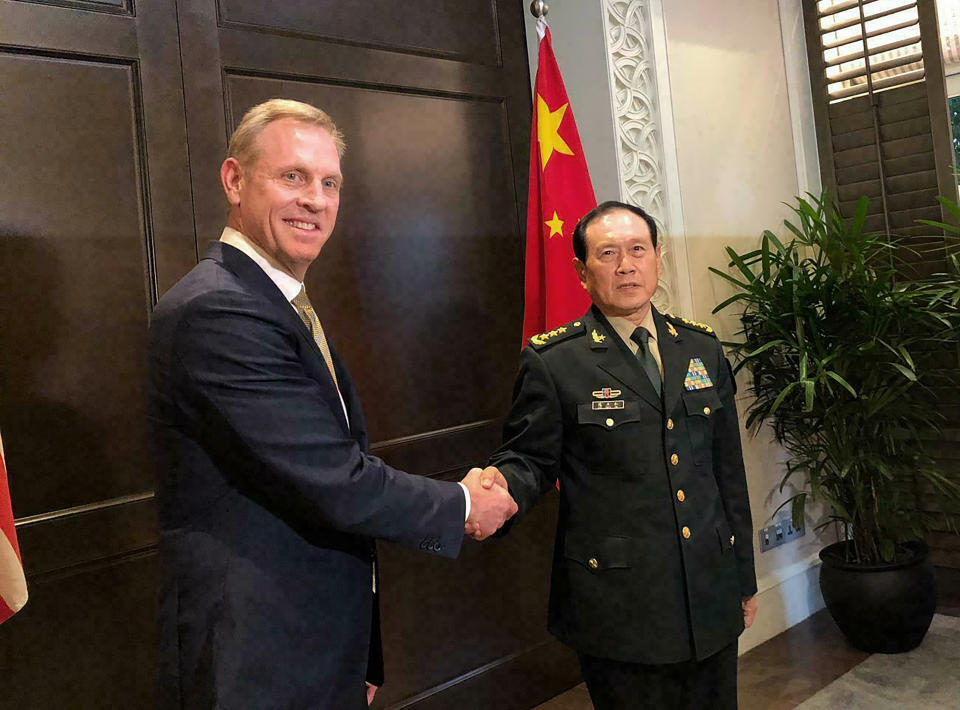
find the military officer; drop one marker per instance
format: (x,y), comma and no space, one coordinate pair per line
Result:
(633,411)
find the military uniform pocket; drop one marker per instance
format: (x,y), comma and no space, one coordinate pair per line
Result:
(609,437)
(599,554)
(701,407)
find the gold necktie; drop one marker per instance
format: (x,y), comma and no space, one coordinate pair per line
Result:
(309,318)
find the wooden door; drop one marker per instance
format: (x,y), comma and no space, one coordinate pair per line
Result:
(114,119)
(94,222)
(420,287)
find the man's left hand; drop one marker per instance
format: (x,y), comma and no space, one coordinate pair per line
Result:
(371,691)
(749,605)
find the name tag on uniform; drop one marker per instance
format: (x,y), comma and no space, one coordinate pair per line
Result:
(608,404)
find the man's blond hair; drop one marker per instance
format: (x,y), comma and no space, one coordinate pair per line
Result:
(243,142)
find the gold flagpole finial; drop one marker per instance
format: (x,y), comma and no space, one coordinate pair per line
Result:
(538,8)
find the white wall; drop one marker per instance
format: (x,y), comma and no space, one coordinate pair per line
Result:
(581,52)
(741,155)
(745,145)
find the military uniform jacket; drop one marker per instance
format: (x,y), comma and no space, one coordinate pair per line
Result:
(654,547)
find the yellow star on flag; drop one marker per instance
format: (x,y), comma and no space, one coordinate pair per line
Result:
(555,224)
(548,125)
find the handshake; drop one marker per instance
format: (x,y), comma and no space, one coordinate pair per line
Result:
(490,503)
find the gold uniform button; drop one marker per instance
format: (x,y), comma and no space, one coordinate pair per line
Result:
(681,496)
(674,459)
(592,562)
(706,410)
(732,539)
(609,422)
(670,424)
(685,532)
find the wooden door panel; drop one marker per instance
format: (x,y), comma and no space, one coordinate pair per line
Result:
(85,640)
(76,301)
(425,261)
(420,287)
(95,220)
(446,28)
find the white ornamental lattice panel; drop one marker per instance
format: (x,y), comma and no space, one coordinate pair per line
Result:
(637,121)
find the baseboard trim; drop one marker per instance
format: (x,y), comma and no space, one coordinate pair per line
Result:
(779,576)
(785,598)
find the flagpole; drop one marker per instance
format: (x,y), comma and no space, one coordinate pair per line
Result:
(559,194)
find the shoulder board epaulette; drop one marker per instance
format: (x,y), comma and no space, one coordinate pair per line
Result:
(691,324)
(557,335)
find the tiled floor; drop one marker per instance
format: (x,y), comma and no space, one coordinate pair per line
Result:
(789,668)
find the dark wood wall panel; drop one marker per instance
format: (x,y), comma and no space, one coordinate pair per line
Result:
(493,595)
(446,450)
(95,220)
(60,29)
(112,6)
(66,542)
(419,288)
(73,411)
(465,31)
(425,254)
(85,641)
(116,116)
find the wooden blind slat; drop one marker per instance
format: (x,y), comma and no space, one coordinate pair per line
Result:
(880,49)
(879,84)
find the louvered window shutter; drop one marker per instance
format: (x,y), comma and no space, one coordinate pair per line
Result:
(883,131)
(881,113)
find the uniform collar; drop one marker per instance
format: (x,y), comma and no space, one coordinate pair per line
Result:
(615,358)
(625,327)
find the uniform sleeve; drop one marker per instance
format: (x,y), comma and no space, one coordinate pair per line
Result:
(731,477)
(249,400)
(529,457)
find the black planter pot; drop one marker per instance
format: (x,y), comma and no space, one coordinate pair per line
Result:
(883,608)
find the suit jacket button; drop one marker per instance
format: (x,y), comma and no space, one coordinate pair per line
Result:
(592,563)
(670,424)
(685,532)
(681,496)
(674,459)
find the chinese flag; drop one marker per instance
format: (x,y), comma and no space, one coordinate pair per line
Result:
(13,585)
(560,194)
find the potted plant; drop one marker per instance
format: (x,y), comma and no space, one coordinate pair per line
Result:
(844,352)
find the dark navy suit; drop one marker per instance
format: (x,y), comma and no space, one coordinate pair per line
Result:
(269,502)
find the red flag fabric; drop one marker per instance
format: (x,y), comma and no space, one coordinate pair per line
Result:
(560,194)
(13,585)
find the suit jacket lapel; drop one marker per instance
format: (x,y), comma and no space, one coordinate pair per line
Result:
(253,276)
(674,359)
(617,360)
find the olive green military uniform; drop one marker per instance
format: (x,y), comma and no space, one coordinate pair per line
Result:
(654,548)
